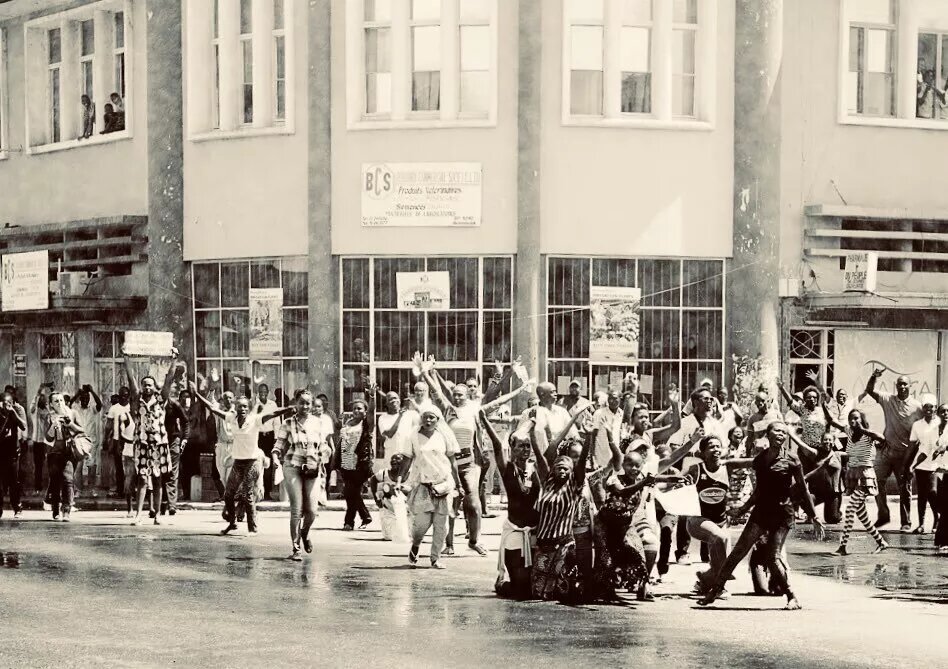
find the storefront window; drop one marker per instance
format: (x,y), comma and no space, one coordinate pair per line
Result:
(680,323)
(251,324)
(58,360)
(379,336)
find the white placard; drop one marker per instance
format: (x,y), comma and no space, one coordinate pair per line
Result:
(149,344)
(861,271)
(421,194)
(680,502)
(25,281)
(423,290)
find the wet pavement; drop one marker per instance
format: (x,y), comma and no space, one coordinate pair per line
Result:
(98,592)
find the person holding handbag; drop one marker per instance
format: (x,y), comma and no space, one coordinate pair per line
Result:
(296,459)
(354,459)
(434,480)
(60,430)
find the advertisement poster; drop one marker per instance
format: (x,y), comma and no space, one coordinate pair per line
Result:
(614,324)
(912,353)
(423,290)
(149,344)
(24,281)
(266,322)
(421,195)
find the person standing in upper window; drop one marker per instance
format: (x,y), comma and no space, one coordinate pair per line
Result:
(901,413)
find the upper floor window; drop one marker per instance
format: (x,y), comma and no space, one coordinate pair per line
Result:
(638,61)
(240,74)
(895,67)
(76,75)
(3,93)
(422,61)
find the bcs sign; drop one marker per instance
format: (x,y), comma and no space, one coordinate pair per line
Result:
(421,194)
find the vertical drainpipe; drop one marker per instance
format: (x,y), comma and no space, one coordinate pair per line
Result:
(169,290)
(752,286)
(324,359)
(529,322)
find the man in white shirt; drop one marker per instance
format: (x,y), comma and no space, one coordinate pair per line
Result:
(575,403)
(88,414)
(607,424)
(923,444)
(264,405)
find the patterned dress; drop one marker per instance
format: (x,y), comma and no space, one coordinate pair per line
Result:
(620,555)
(151,444)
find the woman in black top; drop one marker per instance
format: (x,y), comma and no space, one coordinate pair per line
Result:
(779,477)
(523,487)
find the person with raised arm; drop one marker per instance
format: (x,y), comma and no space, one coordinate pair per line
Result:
(152,455)
(901,412)
(354,457)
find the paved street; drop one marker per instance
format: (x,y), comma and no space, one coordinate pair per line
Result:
(98,592)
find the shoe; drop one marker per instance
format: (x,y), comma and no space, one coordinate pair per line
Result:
(725,595)
(842,550)
(413,556)
(156,521)
(137,521)
(881,547)
(254,533)
(437,565)
(942,550)
(66,517)
(347,528)
(130,514)
(489,515)
(230,528)
(365,524)
(152,514)
(297,556)
(919,530)
(477,548)
(307,544)
(47,506)
(94,494)
(172,512)
(18,515)
(881,521)
(448,550)
(905,528)
(682,558)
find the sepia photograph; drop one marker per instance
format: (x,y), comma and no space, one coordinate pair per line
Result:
(473,333)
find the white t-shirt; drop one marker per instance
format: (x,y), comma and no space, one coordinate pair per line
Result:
(430,458)
(690,425)
(89,420)
(605,422)
(244,444)
(268,407)
(397,443)
(926,434)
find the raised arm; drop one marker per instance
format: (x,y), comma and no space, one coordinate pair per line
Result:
(809,450)
(628,491)
(436,393)
(207,403)
(871,385)
(678,453)
(503,399)
(96,399)
(133,389)
(819,465)
(787,397)
(543,467)
(558,439)
(579,471)
(496,385)
(830,420)
(499,456)
(661,434)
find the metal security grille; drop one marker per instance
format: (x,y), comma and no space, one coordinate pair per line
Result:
(681,327)
(378,340)
(58,360)
(221,298)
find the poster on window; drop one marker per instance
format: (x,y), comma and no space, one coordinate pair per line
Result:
(266,323)
(421,195)
(614,324)
(24,281)
(423,290)
(912,353)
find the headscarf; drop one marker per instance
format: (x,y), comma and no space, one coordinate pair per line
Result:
(564,460)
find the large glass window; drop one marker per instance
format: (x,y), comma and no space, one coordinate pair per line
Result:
(870,82)
(930,98)
(58,360)
(228,328)
(379,339)
(246,60)
(680,321)
(54,92)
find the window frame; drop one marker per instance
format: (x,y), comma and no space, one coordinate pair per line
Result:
(401,114)
(245,40)
(941,46)
(102,60)
(278,33)
(86,86)
(119,52)
(661,30)
(4,107)
(650,27)
(54,106)
(681,308)
(893,31)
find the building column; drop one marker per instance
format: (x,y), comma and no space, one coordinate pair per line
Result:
(753,278)
(529,321)
(169,290)
(324,318)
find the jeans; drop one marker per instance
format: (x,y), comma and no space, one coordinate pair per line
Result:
(61,472)
(302,495)
(10,473)
(241,489)
(717,539)
(266,441)
(171,478)
(892,461)
(927,484)
(352,482)
(39,457)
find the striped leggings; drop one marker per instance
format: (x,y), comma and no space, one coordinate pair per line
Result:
(857,508)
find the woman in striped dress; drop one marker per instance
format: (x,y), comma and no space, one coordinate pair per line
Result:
(860,476)
(555,573)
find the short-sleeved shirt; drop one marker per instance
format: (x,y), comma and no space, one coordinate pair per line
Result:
(690,424)
(926,434)
(605,422)
(395,443)
(298,441)
(860,450)
(89,417)
(245,437)
(812,424)
(266,409)
(430,463)
(900,416)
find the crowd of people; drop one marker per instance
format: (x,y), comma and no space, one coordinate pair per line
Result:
(588,483)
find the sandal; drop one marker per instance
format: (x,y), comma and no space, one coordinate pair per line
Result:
(919,530)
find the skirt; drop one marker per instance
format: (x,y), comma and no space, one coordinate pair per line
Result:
(420,500)
(555,573)
(153,459)
(861,477)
